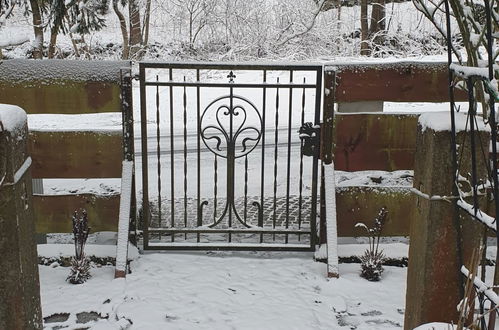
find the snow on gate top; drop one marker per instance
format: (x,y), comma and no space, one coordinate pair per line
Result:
(48,71)
(12,117)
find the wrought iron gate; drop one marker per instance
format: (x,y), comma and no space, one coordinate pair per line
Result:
(223,165)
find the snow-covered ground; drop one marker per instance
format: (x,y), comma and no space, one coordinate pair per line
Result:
(226,291)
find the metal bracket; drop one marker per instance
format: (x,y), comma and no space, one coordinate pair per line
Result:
(311,137)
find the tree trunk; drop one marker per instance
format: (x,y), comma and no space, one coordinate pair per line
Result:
(53,41)
(135,32)
(124,32)
(377,17)
(145,28)
(378,23)
(38,29)
(364,28)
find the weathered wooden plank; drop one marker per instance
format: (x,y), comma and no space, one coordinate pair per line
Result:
(393,82)
(362,204)
(375,141)
(53,213)
(62,86)
(76,154)
(66,98)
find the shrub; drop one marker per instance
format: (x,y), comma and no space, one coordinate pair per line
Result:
(372,260)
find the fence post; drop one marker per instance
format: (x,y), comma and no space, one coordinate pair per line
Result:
(19,282)
(441,240)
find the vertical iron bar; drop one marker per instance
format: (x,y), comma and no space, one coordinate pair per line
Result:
(262,178)
(215,191)
(245,188)
(300,195)
(172,157)
(145,176)
(230,158)
(288,170)
(313,211)
(276,155)
(158,153)
(185,157)
(198,106)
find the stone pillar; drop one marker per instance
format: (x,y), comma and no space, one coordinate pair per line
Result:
(434,281)
(19,281)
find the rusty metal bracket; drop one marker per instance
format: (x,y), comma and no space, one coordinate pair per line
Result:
(311,137)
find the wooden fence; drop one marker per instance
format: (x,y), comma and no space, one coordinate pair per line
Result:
(367,141)
(69,87)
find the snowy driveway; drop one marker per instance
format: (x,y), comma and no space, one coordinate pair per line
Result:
(227,291)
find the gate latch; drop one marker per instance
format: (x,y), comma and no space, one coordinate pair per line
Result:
(310,134)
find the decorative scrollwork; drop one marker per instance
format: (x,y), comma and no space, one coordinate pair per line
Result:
(235,127)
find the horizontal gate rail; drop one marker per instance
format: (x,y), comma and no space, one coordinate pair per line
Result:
(227,167)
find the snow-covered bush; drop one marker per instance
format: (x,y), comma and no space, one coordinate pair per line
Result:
(372,260)
(80,265)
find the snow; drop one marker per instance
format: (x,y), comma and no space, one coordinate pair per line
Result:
(468,71)
(229,291)
(93,122)
(99,187)
(400,178)
(95,250)
(12,39)
(12,117)
(22,170)
(124,216)
(435,326)
(440,121)
(482,287)
(53,71)
(486,219)
(331,226)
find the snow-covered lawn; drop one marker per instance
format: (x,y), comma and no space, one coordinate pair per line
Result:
(227,290)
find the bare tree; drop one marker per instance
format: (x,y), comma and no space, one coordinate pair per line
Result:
(471,25)
(306,25)
(199,14)
(373,33)
(135,40)
(36,14)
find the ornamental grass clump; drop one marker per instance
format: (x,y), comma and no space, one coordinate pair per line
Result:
(80,265)
(372,260)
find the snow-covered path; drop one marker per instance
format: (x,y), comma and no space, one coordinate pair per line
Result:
(228,291)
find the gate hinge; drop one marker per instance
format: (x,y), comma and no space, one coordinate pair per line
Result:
(310,134)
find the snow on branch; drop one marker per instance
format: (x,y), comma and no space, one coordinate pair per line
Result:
(13,40)
(484,218)
(481,287)
(468,71)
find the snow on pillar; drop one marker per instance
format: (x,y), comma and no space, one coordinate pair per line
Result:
(434,282)
(331,227)
(19,282)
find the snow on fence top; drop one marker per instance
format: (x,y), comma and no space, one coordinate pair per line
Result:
(440,121)
(12,117)
(401,65)
(46,71)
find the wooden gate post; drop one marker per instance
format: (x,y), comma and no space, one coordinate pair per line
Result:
(19,282)
(441,240)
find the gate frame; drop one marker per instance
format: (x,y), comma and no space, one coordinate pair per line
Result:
(319,71)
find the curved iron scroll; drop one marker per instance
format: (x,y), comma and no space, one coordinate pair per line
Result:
(231,127)
(228,126)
